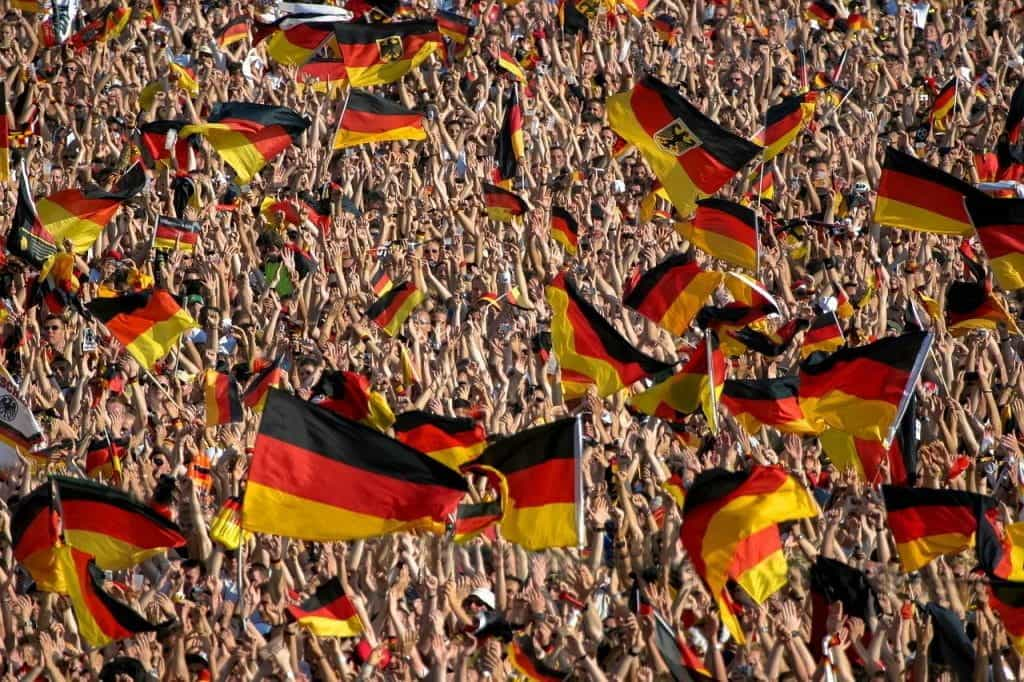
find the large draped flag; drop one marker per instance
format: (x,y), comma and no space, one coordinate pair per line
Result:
(1000,227)
(696,387)
(730,532)
(509,147)
(588,347)
(784,121)
(672,292)
(915,196)
(148,324)
(865,390)
(690,154)
(774,403)
(450,440)
(541,484)
(1007,599)
(80,215)
(248,136)
(388,486)
(927,523)
(377,54)
(370,118)
(328,612)
(300,31)
(726,230)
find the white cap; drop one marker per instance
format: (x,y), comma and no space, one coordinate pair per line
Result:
(484,595)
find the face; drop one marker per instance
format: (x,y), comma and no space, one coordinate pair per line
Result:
(54,332)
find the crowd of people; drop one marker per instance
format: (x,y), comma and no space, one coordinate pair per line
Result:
(261,287)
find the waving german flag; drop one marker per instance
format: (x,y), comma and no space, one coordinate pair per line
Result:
(389,487)
(235,31)
(155,143)
(377,54)
(453,441)
(695,387)
(101,618)
(390,311)
(973,305)
(784,121)
(454,27)
(80,216)
(823,336)
(5,136)
(174,234)
(1015,115)
(348,394)
(328,612)
(475,518)
(322,74)
(35,537)
(821,11)
(725,230)
(148,324)
(671,293)
(248,136)
(927,523)
(223,399)
(565,230)
(103,459)
(863,390)
(369,118)
(1007,599)
(522,656)
(915,196)
(588,346)
(772,344)
(943,106)
(294,45)
(28,239)
(773,403)
(267,376)
(509,147)
(750,292)
(1000,227)
(866,455)
(541,485)
(503,205)
(691,154)
(730,531)
(381,283)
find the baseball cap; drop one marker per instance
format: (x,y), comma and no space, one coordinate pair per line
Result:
(484,595)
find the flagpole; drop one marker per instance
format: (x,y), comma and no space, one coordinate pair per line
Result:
(711,380)
(915,373)
(577,441)
(325,166)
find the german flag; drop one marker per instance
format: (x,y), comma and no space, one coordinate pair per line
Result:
(5,136)
(784,121)
(223,402)
(475,518)
(589,347)
(185,78)
(35,536)
(773,403)
(28,239)
(833,582)
(927,523)
(667,28)
(508,64)
(824,335)
(323,74)
(1015,115)
(328,613)
(865,455)
(689,153)
(348,394)
(821,11)
(453,441)
(58,284)
(675,488)
(267,377)
(80,216)
(671,293)
(972,305)
(173,234)
(865,390)
(943,106)
(697,386)
(1006,598)
(762,181)
(750,292)
(148,324)
(540,484)
(389,487)
(455,28)
(226,526)
(101,618)
(857,22)
(390,311)
(725,230)
(503,205)
(318,209)
(107,25)
(235,31)
(565,230)
(509,147)
(369,118)
(574,16)
(381,283)
(522,656)
(295,45)
(103,459)
(730,531)
(248,136)
(378,54)
(770,344)
(155,142)
(1000,227)
(915,196)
